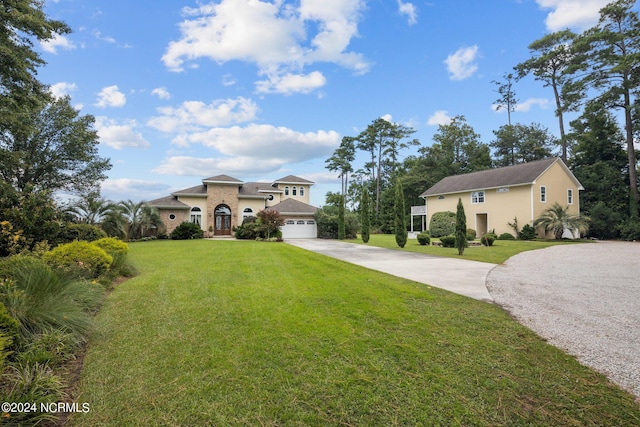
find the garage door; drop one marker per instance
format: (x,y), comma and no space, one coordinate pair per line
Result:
(299,229)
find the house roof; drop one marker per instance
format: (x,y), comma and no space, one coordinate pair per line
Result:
(168,202)
(294,207)
(222,179)
(292,179)
(522,174)
(198,190)
(257,190)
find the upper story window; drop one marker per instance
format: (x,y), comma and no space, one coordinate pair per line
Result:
(293,191)
(195,216)
(286,190)
(543,194)
(247,212)
(570,196)
(477,197)
(301,191)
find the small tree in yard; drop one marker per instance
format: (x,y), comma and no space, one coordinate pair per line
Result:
(557,218)
(365,212)
(400,218)
(461,228)
(270,221)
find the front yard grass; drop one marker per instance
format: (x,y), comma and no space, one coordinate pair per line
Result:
(496,254)
(255,333)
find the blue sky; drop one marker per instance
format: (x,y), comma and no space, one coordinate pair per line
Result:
(257,89)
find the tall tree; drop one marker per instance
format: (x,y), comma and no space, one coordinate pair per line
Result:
(613,48)
(383,141)
(461,228)
(515,144)
(507,99)
(554,62)
(341,161)
(342,233)
(365,215)
(21,23)
(52,149)
(400,223)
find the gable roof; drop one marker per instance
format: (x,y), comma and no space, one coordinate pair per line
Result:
(222,179)
(198,190)
(257,190)
(292,179)
(294,207)
(522,174)
(168,202)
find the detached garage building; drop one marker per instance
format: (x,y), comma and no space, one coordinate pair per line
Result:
(221,202)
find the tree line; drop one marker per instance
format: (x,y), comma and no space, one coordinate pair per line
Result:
(595,73)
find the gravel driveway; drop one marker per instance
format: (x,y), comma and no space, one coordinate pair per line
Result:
(583,298)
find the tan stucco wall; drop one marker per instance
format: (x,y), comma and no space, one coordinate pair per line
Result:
(255,204)
(304,199)
(557,183)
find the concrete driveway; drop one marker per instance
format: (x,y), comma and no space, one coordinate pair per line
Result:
(459,276)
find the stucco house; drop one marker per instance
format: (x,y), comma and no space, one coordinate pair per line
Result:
(221,202)
(493,198)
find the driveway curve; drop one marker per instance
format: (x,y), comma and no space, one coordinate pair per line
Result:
(582,298)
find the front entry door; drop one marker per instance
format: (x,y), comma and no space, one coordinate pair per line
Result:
(222,220)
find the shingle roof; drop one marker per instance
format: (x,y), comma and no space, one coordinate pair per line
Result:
(168,202)
(292,179)
(525,173)
(223,178)
(197,190)
(256,189)
(291,206)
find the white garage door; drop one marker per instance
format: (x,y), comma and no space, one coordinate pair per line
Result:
(299,229)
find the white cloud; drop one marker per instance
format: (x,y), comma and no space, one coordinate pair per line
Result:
(440,117)
(120,135)
(134,189)
(292,83)
(97,34)
(410,10)
(280,38)
(196,115)
(199,166)
(111,97)
(62,89)
(161,92)
(462,64)
(577,14)
(58,41)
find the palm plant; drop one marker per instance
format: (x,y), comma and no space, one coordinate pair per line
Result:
(556,219)
(91,209)
(138,217)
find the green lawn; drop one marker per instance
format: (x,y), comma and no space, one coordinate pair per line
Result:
(496,254)
(254,333)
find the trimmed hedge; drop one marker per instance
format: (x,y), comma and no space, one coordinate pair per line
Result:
(84,258)
(488,239)
(186,231)
(506,236)
(448,241)
(112,246)
(442,224)
(423,238)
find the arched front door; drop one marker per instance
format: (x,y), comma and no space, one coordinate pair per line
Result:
(222,220)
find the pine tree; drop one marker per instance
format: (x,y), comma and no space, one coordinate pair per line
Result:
(400,217)
(461,228)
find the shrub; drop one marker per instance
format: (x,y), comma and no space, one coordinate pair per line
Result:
(51,347)
(448,241)
(71,232)
(488,239)
(471,234)
(527,233)
(424,238)
(506,236)
(327,223)
(442,224)
(40,298)
(249,230)
(187,231)
(79,257)
(630,229)
(112,246)
(8,333)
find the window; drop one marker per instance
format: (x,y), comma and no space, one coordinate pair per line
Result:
(286,191)
(310,222)
(195,215)
(301,191)
(172,216)
(270,197)
(300,222)
(290,222)
(247,212)
(477,197)
(543,194)
(293,191)
(570,196)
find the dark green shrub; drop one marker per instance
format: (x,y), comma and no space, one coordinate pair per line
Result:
(187,231)
(442,224)
(527,233)
(630,229)
(8,333)
(83,258)
(448,241)
(327,223)
(70,232)
(471,234)
(112,246)
(488,239)
(248,231)
(423,238)
(506,236)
